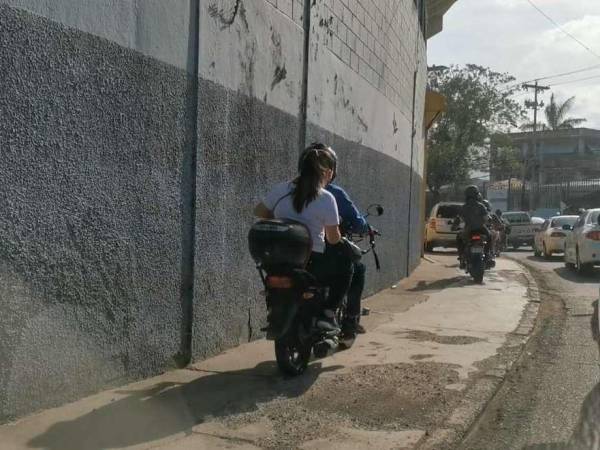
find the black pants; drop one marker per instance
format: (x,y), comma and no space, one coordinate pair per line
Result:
(355,291)
(334,270)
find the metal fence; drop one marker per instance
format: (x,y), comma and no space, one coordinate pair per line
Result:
(513,195)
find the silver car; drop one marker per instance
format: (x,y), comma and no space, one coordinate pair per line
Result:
(582,248)
(551,237)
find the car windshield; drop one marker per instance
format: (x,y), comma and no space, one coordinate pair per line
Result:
(517,218)
(448,211)
(594,217)
(561,221)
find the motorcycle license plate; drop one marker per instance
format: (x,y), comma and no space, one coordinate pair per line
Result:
(477,250)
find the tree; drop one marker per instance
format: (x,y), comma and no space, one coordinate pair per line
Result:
(505,160)
(479,105)
(556,116)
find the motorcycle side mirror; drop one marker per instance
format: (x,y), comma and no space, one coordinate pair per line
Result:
(567,227)
(375,210)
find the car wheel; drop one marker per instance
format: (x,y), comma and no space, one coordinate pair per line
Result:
(429,247)
(568,265)
(515,246)
(581,268)
(547,254)
(536,252)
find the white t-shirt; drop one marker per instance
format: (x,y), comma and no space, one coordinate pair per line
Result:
(318,214)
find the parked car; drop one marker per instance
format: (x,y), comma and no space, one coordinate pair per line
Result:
(582,248)
(438,230)
(545,213)
(551,237)
(522,230)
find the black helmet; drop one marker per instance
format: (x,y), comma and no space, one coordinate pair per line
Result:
(499,212)
(318,146)
(472,192)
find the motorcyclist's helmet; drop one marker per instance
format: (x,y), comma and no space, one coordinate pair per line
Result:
(318,146)
(499,212)
(487,205)
(472,192)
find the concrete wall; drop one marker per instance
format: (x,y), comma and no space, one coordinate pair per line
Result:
(137,135)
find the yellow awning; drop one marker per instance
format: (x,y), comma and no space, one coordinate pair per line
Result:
(435,105)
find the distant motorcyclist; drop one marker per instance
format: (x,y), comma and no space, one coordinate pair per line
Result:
(475,216)
(496,227)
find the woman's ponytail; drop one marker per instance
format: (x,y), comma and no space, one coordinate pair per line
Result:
(312,170)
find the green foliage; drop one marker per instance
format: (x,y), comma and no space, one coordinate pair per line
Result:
(505,160)
(556,116)
(479,105)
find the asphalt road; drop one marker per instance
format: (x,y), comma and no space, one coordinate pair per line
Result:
(540,401)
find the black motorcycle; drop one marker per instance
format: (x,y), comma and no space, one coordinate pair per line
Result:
(475,256)
(281,249)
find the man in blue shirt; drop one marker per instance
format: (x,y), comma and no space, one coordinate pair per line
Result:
(352,221)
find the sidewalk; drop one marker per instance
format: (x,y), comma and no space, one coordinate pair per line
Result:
(437,348)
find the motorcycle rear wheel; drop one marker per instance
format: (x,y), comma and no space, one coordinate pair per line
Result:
(292,356)
(477,269)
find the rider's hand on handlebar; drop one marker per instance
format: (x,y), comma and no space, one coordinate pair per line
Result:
(374,231)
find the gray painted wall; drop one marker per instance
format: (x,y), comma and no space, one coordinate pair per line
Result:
(102,116)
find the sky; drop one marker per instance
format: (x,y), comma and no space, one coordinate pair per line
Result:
(511,36)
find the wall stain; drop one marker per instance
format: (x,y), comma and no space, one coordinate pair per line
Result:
(395,124)
(247,65)
(278,76)
(227,18)
(362,122)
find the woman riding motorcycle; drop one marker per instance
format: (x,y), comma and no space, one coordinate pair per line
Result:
(305,200)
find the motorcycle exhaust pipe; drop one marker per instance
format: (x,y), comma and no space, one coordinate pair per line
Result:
(325,347)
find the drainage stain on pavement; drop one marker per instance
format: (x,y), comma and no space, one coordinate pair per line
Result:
(421,336)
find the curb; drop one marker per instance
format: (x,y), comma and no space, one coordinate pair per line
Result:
(465,418)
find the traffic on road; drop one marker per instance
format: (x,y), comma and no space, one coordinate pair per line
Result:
(552,399)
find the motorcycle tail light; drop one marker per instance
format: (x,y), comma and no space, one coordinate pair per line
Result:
(557,234)
(475,237)
(593,235)
(279,282)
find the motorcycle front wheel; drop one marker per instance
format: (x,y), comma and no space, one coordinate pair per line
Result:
(292,356)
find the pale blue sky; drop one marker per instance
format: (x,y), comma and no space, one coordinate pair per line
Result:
(511,36)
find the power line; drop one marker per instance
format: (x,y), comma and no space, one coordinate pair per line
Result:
(574,81)
(548,77)
(564,74)
(562,29)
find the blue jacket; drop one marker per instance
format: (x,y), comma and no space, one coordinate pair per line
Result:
(352,219)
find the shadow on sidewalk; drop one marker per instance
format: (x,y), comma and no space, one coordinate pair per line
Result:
(435,285)
(168,408)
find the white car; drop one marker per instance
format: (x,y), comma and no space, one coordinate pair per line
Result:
(551,238)
(582,247)
(438,231)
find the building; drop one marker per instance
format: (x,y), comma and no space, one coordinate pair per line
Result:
(136,138)
(567,155)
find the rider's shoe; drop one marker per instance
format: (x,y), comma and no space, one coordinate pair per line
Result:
(327,321)
(352,326)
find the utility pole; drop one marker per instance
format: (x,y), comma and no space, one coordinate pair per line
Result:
(535,154)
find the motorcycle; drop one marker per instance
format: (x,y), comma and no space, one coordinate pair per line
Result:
(475,256)
(281,249)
